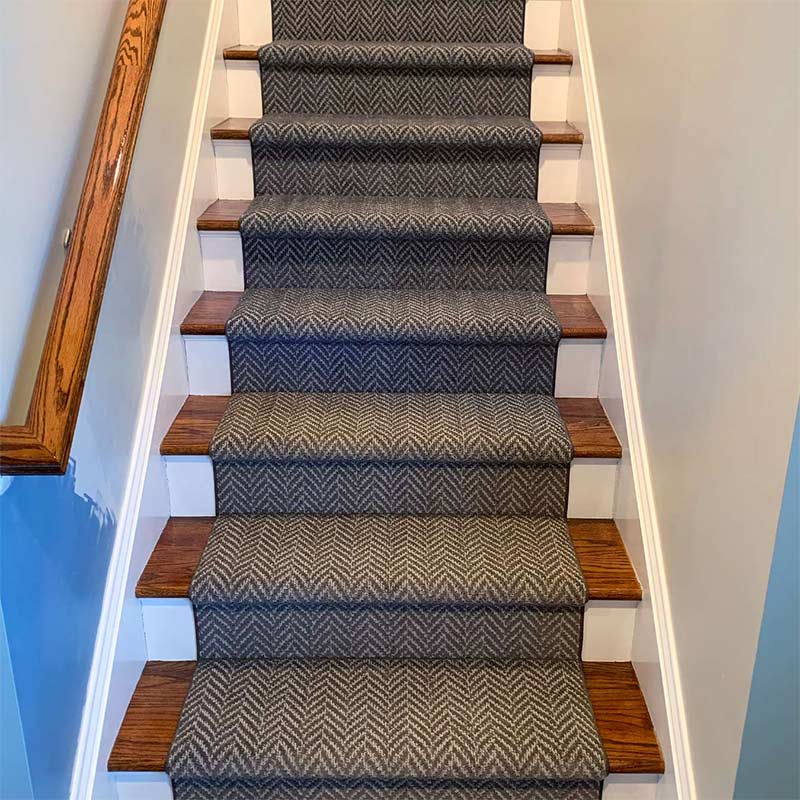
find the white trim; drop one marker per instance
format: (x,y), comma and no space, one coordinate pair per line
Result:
(88,747)
(665,636)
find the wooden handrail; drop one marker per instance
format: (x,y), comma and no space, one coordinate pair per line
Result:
(42,445)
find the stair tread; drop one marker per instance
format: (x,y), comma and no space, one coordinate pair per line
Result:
(292,126)
(360,719)
(575,313)
(192,430)
(391,428)
(414,218)
(568,219)
(422,316)
(508,57)
(620,711)
(409,562)
(607,570)
(249,52)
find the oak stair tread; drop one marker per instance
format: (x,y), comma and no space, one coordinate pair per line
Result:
(249,52)
(587,424)
(568,219)
(575,313)
(621,715)
(607,570)
(238,129)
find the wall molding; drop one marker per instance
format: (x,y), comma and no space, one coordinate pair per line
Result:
(665,636)
(91,731)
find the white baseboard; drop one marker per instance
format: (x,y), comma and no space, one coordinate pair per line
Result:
(92,722)
(680,782)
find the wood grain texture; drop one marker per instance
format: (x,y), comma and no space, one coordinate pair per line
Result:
(249,52)
(577,315)
(192,430)
(238,129)
(622,718)
(620,711)
(604,561)
(568,219)
(588,426)
(42,445)
(150,723)
(175,558)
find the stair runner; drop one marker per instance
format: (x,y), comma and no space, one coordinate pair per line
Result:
(389,605)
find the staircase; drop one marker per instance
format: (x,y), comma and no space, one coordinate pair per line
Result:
(391,569)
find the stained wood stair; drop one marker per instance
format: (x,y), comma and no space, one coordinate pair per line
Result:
(621,714)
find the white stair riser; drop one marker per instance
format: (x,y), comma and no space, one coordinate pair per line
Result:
(577,372)
(542,22)
(558,172)
(548,95)
(567,270)
(170,630)
(157,786)
(191,487)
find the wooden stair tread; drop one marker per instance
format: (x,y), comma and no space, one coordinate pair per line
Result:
(575,312)
(568,219)
(601,553)
(238,129)
(249,52)
(192,430)
(146,734)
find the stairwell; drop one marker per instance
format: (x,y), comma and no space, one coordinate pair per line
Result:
(392,568)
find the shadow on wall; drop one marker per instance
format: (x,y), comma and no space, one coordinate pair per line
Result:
(53,541)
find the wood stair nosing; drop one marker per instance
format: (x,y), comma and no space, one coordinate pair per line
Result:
(568,219)
(575,312)
(587,424)
(249,52)
(606,567)
(237,129)
(620,711)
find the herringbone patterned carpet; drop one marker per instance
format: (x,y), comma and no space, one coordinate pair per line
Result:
(389,605)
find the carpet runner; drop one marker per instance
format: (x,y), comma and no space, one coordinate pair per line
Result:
(389,605)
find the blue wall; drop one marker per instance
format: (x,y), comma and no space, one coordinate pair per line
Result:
(769,766)
(54,551)
(15,779)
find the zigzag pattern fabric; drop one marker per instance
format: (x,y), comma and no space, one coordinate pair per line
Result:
(409,78)
(389,605)
(391,21)
(395,156)
(359,340)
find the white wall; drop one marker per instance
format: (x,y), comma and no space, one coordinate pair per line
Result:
(699,101)
(55,60)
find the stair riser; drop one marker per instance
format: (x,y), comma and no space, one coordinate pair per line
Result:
(157,786)
(558,172)
(192,493)
(567,273)
(577,370)
(542,22)
(169,627)
(548,95)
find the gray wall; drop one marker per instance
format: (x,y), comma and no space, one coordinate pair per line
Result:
(700,103)
(55,59)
